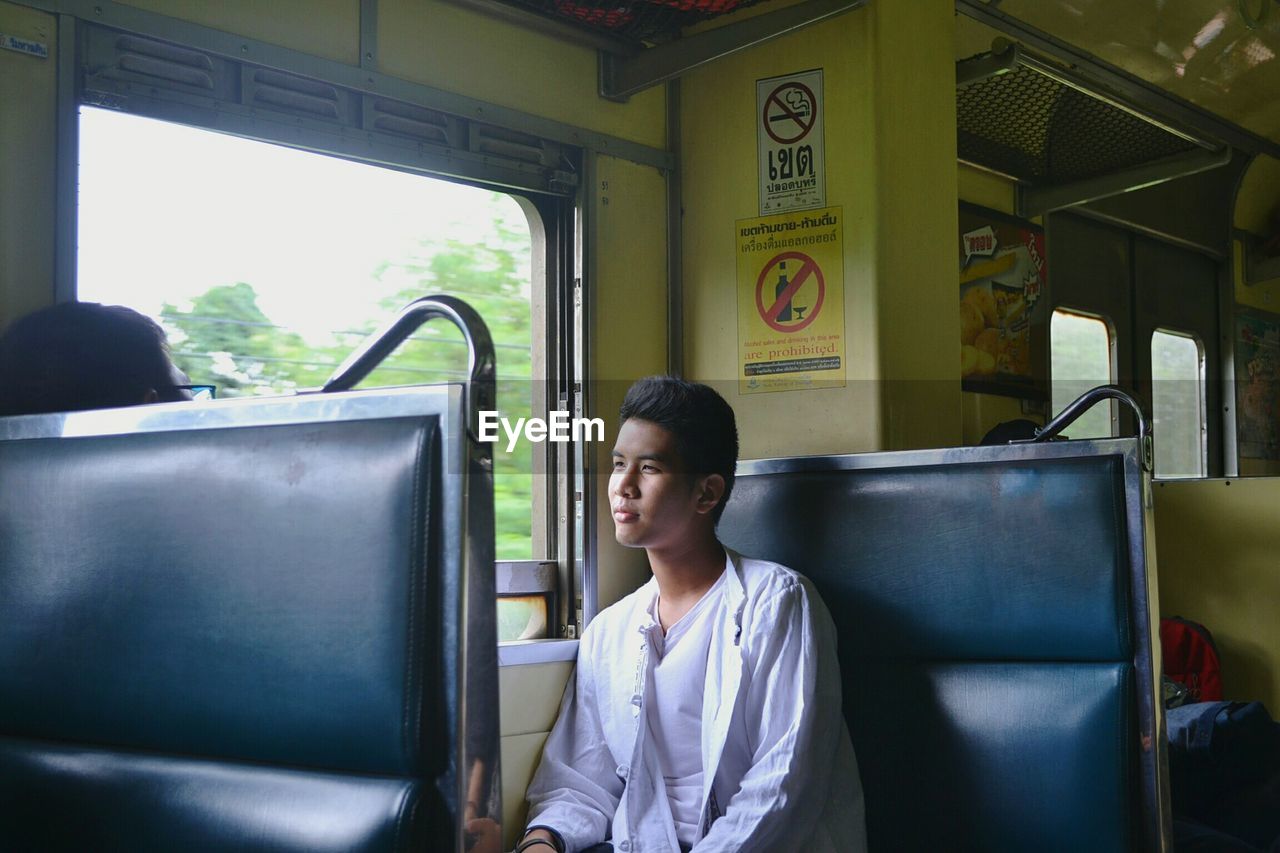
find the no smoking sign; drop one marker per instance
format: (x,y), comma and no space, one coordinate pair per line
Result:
(789,113)
(790,145)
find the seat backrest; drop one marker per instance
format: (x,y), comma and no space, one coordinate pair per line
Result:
(994,628)
(241,626)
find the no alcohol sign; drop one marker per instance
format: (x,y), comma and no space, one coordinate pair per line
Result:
(791,301)
(790,142)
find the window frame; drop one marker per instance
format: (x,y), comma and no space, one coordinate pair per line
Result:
(1112,358)
(1202,412)
(518,158)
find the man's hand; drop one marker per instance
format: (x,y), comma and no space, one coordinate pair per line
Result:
(483,836)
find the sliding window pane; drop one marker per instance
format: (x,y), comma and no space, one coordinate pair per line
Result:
(1177,404)
(1081,359)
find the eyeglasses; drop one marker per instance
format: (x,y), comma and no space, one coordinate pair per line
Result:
(198,392)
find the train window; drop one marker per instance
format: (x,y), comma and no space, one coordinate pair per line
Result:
(527,593)
(1177,404)
(267,265)
(523,617)
(1082,356)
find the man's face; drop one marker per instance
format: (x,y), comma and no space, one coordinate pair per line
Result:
(655,502)
(170,393)
(178,377)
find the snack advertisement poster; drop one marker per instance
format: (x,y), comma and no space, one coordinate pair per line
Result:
(1003,312)
(1258,385)
(791,301)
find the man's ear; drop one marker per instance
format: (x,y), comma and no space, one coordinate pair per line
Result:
(710,489)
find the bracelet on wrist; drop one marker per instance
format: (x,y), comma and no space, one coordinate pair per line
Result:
(556,841)
(531,842)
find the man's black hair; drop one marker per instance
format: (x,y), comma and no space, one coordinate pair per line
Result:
(82,355)
(1004,432)
(702,423)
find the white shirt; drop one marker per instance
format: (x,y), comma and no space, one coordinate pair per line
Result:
(779,772)
(675,714)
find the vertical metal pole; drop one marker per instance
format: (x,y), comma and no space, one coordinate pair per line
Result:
(1144,608)
(66,202)
(1137,381)
(1225,371)
(588,236)
(369,34)
(1226,368)
(675,217)
(561,341)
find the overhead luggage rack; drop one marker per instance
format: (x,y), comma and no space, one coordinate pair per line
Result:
(1065,140)
(634,21)
(642,43)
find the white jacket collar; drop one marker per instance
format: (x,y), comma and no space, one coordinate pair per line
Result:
(735,589)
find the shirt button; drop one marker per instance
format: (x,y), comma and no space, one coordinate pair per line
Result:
(624,846)
(623,770)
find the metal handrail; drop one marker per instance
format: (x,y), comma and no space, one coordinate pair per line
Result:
(481,362)
(1090,398)
(1087,400)
(475,775)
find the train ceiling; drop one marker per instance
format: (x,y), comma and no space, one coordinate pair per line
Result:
(1072,98)
(1220,55)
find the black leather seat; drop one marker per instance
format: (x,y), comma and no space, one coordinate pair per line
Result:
(241,627)
(995,637)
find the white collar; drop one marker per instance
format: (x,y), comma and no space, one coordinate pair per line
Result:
(735,591)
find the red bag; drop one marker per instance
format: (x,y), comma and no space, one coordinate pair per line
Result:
(1191,658)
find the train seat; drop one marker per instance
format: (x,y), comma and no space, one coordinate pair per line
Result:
(994,630)
(239,627)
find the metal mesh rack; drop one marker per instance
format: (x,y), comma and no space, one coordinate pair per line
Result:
(1041,131)
(636,21)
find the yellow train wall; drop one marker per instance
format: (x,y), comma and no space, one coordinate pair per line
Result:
(1216,547)
(890,144)
(28,164)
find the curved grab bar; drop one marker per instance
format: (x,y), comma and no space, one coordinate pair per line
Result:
(481,364)
(1087,400)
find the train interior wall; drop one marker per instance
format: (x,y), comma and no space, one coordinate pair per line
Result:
(1216,551)
(890,143)
(28,164)
(891,146)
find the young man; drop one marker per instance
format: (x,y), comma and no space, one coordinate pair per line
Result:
(704,713)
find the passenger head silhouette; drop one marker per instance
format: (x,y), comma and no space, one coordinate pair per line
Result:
(82,355)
